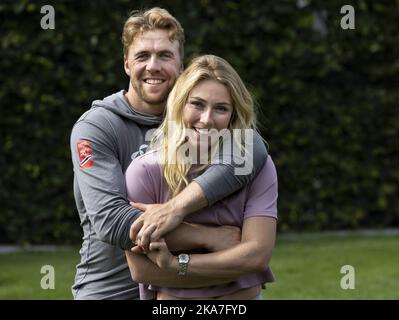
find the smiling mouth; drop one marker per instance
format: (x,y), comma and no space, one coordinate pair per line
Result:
(203,131)
(154,81)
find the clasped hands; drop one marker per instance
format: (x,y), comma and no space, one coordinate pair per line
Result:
(156,221)
(147,230)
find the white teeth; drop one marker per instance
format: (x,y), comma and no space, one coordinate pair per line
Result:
(202,131)
(153,81)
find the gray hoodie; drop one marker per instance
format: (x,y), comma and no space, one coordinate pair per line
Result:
(103,142)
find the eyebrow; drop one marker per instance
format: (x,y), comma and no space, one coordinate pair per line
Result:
(148,52)
(217,103)
(166,51)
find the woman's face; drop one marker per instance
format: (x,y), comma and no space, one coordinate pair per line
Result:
(208,106)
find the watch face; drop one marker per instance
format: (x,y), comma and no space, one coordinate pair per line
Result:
(184,258)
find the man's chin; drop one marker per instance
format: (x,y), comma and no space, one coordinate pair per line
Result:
(155,99)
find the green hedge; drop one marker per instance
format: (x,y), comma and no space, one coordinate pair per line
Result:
(328,103)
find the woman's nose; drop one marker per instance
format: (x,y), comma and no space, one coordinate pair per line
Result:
(207,117)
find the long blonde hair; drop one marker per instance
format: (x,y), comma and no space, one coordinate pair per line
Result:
(169,138)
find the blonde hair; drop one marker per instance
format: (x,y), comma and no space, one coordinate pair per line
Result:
(206,67)
(155,18)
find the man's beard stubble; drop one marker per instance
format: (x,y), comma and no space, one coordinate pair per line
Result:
(143,96)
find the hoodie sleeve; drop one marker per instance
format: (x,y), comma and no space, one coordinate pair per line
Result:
(222,179)
(100,179)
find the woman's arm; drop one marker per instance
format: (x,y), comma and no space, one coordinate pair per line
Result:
(217,182)
(143,177)
(143,270)
(251,255)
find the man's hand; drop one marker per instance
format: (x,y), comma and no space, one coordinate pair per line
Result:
(157,220)
(221,238)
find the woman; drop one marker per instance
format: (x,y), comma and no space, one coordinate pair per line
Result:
(209,97)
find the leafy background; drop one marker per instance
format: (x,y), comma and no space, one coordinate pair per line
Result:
(327,98)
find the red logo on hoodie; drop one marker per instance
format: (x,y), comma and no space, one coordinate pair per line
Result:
(85,154)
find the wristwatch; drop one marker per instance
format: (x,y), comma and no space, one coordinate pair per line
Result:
(183,258)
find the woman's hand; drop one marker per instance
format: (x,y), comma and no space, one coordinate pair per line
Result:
(160,255)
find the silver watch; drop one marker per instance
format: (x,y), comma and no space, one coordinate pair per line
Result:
(184,259)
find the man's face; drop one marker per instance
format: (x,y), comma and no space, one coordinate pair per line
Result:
(153,64)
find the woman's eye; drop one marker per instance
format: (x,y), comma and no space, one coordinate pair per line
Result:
(196,104)
(221,109)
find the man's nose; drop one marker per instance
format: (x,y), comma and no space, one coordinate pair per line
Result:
(153,64)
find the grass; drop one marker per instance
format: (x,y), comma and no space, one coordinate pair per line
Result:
(20,274)
(311,269)
(304,269)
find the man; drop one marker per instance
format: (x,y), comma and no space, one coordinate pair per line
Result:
(103,142)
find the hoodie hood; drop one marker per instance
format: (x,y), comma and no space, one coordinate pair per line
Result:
(117,104)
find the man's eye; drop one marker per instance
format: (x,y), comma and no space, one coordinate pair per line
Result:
(141,57)
(166,56)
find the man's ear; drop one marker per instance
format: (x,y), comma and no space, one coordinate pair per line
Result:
(126,65)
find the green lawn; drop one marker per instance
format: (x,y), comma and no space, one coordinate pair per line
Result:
(304,269)
(20,275)
(310,269)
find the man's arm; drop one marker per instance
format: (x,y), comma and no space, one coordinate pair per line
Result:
(257,241)
(235,171)
(160,219)
(142,183)
(101,182)
(217,182)
(189,236)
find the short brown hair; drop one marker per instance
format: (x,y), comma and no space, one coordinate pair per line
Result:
(152,19)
